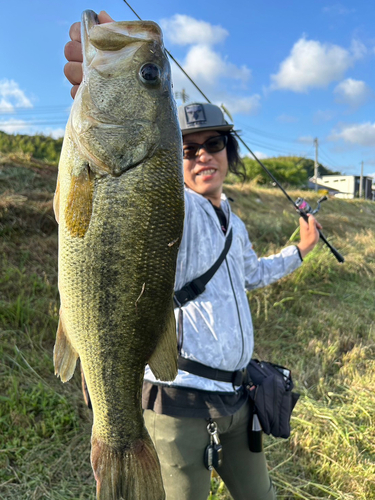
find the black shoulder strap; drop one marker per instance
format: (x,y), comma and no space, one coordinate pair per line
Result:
(191,290)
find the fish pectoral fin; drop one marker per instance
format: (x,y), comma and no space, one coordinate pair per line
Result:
(64,355)
(78,208)
(163,361)
(56,201)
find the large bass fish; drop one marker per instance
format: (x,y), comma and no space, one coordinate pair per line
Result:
(119,205)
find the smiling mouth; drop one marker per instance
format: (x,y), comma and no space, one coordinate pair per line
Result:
(208,171)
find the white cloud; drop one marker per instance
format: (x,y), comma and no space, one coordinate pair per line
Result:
(215,78)
(6,106)
(185,30)
(14,126)
(321,116)
(314,64)
(287,119)
(360,134)
(11,96)
(54,133)
(206,65)
(338,9)
(352,92)
(358,49)
(247,105)
(258,154)
(306,139)
(224,82)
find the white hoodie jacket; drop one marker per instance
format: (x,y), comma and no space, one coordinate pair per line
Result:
(217,329)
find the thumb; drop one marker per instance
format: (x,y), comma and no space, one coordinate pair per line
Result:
(104,17)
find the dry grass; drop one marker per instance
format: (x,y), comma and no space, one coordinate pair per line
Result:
(320,321)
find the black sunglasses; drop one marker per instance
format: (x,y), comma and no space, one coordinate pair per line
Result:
(212,145)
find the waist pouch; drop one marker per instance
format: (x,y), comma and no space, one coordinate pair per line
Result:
(272,396)
(269,387)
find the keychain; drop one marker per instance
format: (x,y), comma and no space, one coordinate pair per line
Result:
(213,454)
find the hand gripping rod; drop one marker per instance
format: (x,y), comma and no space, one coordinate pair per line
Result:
(338,256)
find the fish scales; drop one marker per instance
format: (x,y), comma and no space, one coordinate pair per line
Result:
(119,204)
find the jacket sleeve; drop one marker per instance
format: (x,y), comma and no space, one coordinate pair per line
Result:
(266,270)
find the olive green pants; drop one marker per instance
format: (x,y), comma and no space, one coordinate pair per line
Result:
(180,444)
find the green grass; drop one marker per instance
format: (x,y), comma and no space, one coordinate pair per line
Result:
(319,321)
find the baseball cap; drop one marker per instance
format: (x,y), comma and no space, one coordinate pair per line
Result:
(196,117)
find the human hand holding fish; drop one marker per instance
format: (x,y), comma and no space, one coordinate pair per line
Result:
(74,55)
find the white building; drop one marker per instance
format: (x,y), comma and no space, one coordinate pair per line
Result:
(347,186)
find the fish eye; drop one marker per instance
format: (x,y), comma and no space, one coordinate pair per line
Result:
(150,73)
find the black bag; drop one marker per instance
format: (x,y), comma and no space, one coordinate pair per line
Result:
(272,396)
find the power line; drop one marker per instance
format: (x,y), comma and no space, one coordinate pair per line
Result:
(272,147)
(32,123)
(324,153)
(34,109)
(268,135)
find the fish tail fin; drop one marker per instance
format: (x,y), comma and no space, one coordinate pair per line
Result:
(132,473)
(64,354)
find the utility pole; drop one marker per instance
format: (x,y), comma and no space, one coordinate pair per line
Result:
(361,181)
(316,164)
(182,95)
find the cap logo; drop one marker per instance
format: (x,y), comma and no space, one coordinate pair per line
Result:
(195,114)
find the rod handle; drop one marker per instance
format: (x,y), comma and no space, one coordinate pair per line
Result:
(337,254)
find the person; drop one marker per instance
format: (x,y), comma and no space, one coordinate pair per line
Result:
(215,329)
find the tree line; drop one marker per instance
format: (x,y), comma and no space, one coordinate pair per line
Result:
(289,170)
(39,146)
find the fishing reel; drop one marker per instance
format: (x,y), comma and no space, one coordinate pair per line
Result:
(302,205)
(304,208)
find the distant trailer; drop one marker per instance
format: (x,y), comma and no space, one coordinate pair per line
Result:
(347,186)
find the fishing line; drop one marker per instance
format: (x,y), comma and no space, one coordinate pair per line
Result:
(277,183)
(173,59)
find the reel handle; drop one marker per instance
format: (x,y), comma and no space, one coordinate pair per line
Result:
(338,256)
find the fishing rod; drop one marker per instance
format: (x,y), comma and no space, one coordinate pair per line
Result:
(301,206)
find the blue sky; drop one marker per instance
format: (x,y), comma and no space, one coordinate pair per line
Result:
(287,71)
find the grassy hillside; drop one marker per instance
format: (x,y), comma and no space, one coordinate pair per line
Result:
(320,322)
(39,146)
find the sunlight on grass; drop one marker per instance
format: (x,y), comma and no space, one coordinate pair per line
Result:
(319,321)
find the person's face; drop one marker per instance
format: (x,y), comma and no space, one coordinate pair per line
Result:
(205,173)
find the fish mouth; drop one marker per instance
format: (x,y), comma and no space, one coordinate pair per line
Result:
(117,35)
